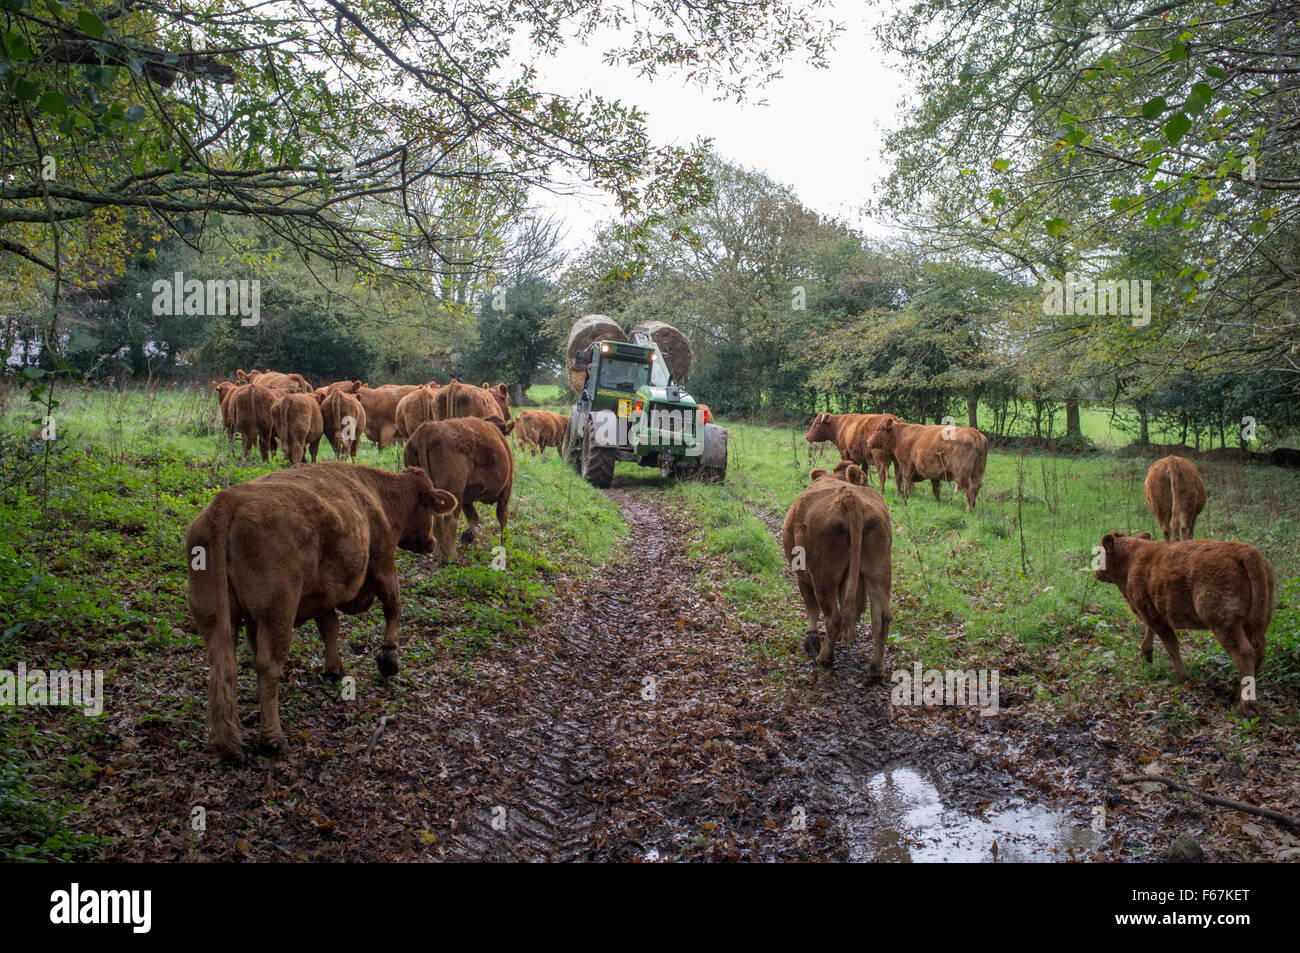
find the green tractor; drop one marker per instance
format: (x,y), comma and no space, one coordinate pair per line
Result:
(630,409)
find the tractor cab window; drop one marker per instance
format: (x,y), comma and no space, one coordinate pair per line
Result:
(618,374)
(658,374)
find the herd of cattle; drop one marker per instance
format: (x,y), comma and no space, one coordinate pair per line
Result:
(306,542)
(312,540)
(837,539)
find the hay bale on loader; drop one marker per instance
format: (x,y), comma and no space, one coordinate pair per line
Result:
(592,327)
(672,345)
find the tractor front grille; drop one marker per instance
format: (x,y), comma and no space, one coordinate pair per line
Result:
(670,420)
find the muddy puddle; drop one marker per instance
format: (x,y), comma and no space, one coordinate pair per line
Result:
(902,818)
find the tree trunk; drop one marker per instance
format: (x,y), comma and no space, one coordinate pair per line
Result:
(1144,429)
(972,409)
(1072,427)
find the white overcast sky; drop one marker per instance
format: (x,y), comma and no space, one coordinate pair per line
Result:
(820,130)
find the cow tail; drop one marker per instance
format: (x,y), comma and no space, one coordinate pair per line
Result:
(223,716)
(335,403)
(1173,500)
(856,526)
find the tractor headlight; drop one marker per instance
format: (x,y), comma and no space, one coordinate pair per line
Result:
(604,349)
(653,355)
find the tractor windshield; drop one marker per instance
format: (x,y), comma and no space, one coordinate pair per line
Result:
(627,376)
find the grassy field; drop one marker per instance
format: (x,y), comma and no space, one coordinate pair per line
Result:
(1006,586)
(91,577)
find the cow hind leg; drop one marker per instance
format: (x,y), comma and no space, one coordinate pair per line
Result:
(1169,638)
(937,486)
(880,618)
(833,612)
(812,639)
(472,522)
(328,626)
(1243,655)
(272,641)
(315,445)
(1144,649)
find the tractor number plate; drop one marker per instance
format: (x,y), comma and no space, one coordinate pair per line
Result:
(625,408)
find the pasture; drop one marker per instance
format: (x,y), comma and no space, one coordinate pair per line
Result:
(91,576)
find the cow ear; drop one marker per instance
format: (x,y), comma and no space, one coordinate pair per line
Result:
(503,390)
(1108,542)
(1143,535)
(855,475)
(816,475)
(444,501)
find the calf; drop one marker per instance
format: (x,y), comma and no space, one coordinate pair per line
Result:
(837,539)
(288,383)
(501,397)
(344,421)
(466,400)
(1175,494)
(1197,584)
(468,457)
(251,411)
(415,408)
(539,429)
(934,453)
(224,389)
(380,404)
(291,546)
(849,433)
(298,426)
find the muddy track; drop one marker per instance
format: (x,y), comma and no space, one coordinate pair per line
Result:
(644,732)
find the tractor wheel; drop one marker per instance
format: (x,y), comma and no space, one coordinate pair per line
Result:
(573,446)
(597,463)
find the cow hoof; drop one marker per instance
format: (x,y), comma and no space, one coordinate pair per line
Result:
(386,660)
(875,675)
(828,662)
(467,537)
(812,643)
(275,746)
(230,756)
(332,676)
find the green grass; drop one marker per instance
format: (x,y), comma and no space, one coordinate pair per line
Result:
(967,594)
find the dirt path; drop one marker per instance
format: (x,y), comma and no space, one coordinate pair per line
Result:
(641,732)
(636,724)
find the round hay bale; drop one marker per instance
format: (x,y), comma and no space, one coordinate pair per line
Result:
(589,328)
(672,344)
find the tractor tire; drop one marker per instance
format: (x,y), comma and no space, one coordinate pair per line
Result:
(597,463)
(572,452)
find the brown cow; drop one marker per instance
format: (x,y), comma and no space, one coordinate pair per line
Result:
(1227,588)
(415,408)
(466,400)
(934,453)
(289,383)
(291,546)
(1175,494)
(298,426)
(344,421)
(849,433)
(468,457)
(224,389)
(539,429)
(381,410)
(500,394)
(838,539)
(251,409)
